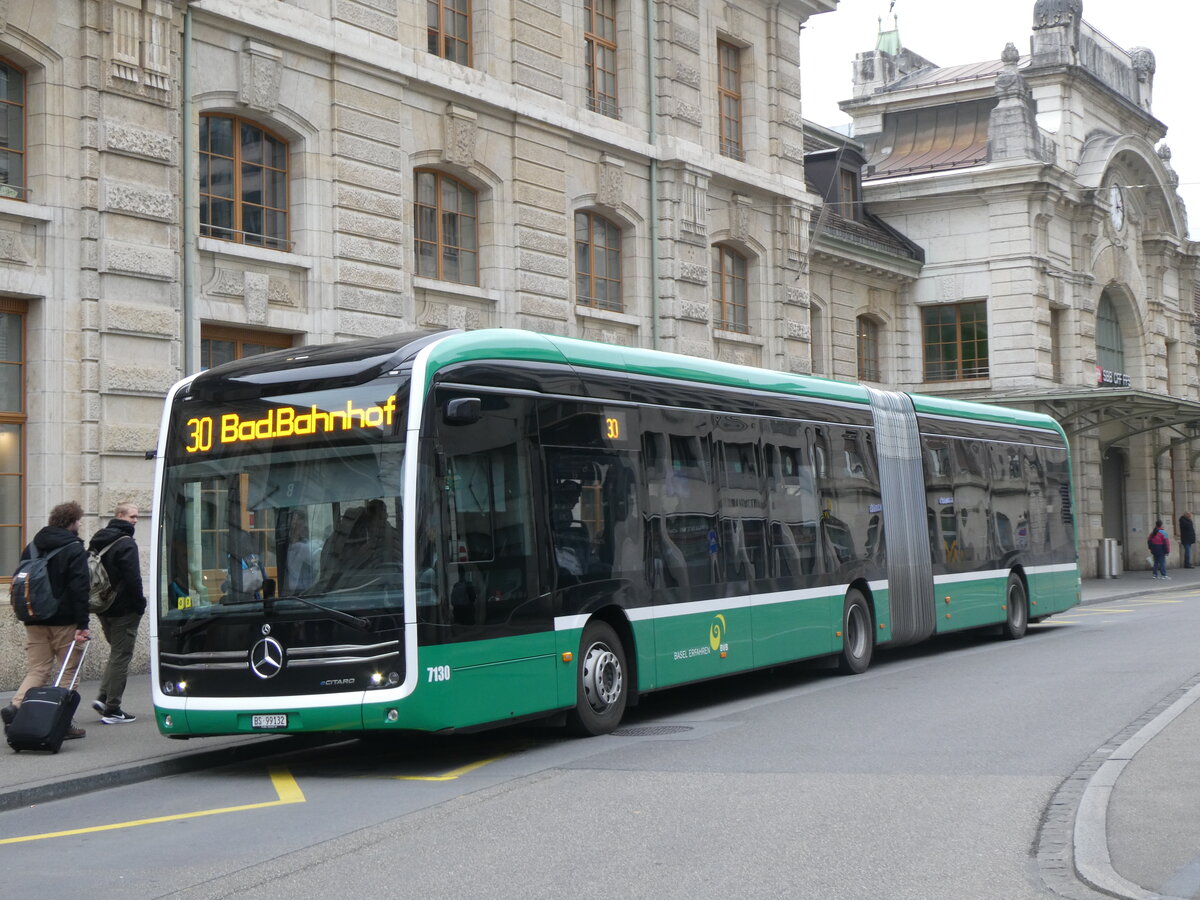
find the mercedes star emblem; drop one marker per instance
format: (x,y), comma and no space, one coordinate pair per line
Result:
(266,658)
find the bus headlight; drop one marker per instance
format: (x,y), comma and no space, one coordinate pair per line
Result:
(376,679)
(393,715)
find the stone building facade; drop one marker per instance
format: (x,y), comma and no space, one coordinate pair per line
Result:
(196,181)
(185,182)
(1058,274)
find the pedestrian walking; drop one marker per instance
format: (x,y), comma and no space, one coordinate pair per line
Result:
(49,639)
(1187,537)
(121,619)
(1160,546)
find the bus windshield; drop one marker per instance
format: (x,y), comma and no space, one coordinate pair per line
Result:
(293,496)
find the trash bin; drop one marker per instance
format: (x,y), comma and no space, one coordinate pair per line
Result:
(1109,562)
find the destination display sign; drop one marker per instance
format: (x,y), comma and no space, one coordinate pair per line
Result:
(202,433)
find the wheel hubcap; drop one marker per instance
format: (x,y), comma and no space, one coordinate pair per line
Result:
(1016,606)
(855,631)
(602,677)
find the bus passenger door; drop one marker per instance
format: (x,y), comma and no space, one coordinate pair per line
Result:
(501,631)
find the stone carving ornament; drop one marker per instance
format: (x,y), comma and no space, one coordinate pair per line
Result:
(1048,13)
(260,75)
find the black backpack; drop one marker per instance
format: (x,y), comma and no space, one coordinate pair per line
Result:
(32,599)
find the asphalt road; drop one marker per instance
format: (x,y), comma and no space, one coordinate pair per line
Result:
(927,777)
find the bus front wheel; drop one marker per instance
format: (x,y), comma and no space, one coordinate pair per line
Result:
(1017,608)
(602,685)
(858,636)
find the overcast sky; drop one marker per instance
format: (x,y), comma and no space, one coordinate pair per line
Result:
(950,32)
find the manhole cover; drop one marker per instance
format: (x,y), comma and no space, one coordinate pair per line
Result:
(651,730)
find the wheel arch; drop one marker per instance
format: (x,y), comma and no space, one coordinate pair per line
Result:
(861,585)
(616,618)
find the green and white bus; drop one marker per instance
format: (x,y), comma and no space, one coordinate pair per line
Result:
(446,531)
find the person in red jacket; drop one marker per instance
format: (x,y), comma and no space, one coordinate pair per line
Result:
(1160,546)
(48,642)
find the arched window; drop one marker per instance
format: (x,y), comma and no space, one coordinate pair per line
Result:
(868,349)
(730,293)
(1110,348)
(447,220)
(243,182)
(597,262)
(12,131)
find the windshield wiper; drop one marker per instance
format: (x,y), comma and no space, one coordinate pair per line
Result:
(336,614)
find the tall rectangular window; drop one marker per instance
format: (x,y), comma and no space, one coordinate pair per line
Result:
(868,349)
(12,429)
(601,49)
(12,131)
(849,206)
(956,341)
(729,97)
(450,29)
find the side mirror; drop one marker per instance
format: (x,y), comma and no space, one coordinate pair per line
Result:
(464,411)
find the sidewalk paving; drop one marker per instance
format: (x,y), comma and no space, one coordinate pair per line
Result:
(1147,766)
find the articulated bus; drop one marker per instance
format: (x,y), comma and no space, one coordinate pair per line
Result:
(447,531)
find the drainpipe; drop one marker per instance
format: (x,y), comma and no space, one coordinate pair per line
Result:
(188,176)
(652,136)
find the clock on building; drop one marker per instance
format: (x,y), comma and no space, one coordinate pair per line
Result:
(1116,207)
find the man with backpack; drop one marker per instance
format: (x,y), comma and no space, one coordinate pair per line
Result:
(51,632)
(123,603)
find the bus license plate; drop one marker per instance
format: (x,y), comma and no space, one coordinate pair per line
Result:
(270,721)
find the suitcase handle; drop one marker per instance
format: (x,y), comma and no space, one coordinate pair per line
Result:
(67,659)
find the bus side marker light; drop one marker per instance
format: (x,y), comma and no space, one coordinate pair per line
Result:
(568,656)
(947,599)
(724,654)
(393,715)
(1034,602)
(947,615)
(881,625)
(838,633)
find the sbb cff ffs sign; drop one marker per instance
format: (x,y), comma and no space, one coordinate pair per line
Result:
(1109,377)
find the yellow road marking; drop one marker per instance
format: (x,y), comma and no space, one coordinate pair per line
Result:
(1100,612)
(285,787)
(451,775)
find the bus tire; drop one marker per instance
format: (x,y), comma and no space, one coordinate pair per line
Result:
(858,635)
(601,682)
(1017,607)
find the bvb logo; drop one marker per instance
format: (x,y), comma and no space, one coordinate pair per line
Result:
(716,632)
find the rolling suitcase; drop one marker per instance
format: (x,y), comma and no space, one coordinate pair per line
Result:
(45,714)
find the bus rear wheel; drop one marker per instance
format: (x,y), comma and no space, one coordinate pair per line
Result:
(858,637)
(1017,607)
(602,684)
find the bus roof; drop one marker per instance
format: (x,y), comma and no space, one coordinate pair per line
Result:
(516,344)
